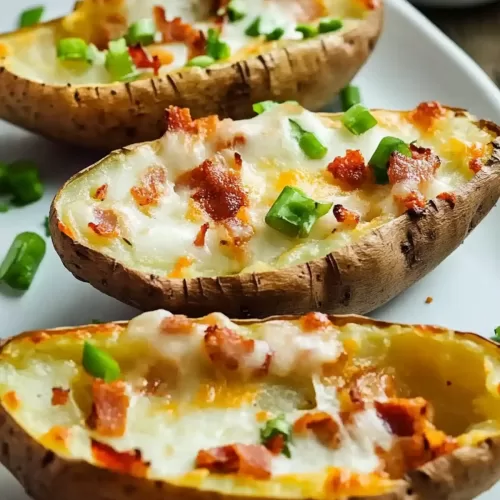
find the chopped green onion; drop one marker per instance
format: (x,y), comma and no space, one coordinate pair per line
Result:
(46,226)
(99,364)
(307,30)
(30,17)
(358,120)
(308,142)
(4,181)
(201,61)
(235,11)
(350,96)
(379,161)
(119,63)
(276,34)
(277,427)
(72,49)
(141,32)
(4,208)
(329,25)
(22,260)
(215,47)
(24,182)
(294,213)
(254,28)
(261,107)
(94,55)
(496,337)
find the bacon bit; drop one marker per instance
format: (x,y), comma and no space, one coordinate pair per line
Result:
(315,321)
(476,165)
(180,266)
(11,400)
(429,300)
(425,115)
(63,228)
(179,119)
(106,223)
(176,324)
(275,444)
(420,167)
(109,408)
(225,347)
(200,237)
(152,187)
(451,198)
(60,396)
(164,56)
(346,216)
(142,60)
(238,161)
(405,417)
(414,201)
(350,169)
(322,425)
(245,459)
(101,192)
(127,462)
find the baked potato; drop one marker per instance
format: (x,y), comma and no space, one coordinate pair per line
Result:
(65,80)
(284,213)
(304,407)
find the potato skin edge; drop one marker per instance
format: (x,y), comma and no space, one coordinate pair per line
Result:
(108,117)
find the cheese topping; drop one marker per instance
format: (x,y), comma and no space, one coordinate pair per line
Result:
(205,215)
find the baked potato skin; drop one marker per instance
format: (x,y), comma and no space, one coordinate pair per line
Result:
(462,475)
(354,279)
(108,117)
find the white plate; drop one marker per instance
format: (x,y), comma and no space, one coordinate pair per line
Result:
(414,62)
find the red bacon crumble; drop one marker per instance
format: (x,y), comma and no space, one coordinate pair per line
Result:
(176,324)
(245,459)
(350,169)
(476,165)
(106,223)
(101,192)
(451,198)
(60,396)
(345,216)
(152,187)
(315,321)
(420,167)
(414,201)
(127,462)
(200,237)
(238,161)
(405,417)
(275,444)
(325,428)
(143,61)
(426,113)
(109,408)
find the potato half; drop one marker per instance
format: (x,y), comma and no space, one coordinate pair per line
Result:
(79,103)
(180,223)
(288,407)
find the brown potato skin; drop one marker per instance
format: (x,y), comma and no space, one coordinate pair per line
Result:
(462,475)
(355,279)
(108,117)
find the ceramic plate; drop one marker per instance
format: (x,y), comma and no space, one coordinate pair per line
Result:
(413,62)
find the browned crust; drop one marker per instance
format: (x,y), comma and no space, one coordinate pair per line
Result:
(111,116)
(462,475)
(354,279)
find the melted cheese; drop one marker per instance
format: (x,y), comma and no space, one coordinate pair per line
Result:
(167,231)
(32,54)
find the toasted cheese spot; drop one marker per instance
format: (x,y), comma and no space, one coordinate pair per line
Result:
(263,416)
(194,213)
(324,427)
(369,385)
(346,483)
(180,267)
(4,50)
(351,169)
(60,396)
(288,178)
(305,10)
(152,187)
(426,114)
(315,321)
(11,401)
(176,324)
(164,56)
(38,337)
(224,394)
(101,192)
(56,439)
(200,237)
(65,230)
(345,216)
(244,216)
(128,462)
(142,60)
(106,223)
(245,459)
(109,408)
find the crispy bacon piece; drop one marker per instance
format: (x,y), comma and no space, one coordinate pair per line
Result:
(325,428)
(275,444)
(179,120)
(238,161)
(106,223)
(451,198)
(101,192)
(345,216)
(245,459)
(60,396)
(239,233)
(143,61)
(109,408)
(405,417)
(315,321)
(426,113)
(476,165)
(420,167)
(152,187)
(176,324)
(127,462)
(351,169)
(200,237)
(414,201)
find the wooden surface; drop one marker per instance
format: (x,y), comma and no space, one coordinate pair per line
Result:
(476,30)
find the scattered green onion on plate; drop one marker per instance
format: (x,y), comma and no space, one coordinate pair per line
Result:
(32,16)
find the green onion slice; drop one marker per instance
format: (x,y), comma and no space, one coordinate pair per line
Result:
(294,213)
(329,25)
(350,96)
(275,427)
(275,34)
(141,32)
(307,30)
(99,364)
(30,17)
(201,61)
(496,337)
(379,162)
(254,27)
(72,49)
(308,142)
(235,11)
(216,48)
(358,119)
(261,107)
(24,182)
(119,63)
(22,260)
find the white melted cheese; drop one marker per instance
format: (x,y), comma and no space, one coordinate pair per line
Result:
(271,159)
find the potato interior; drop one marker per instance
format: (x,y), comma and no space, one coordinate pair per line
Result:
(186,394)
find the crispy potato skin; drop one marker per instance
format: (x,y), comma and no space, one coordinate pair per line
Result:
(111,116)
(462,475)
(354,279)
